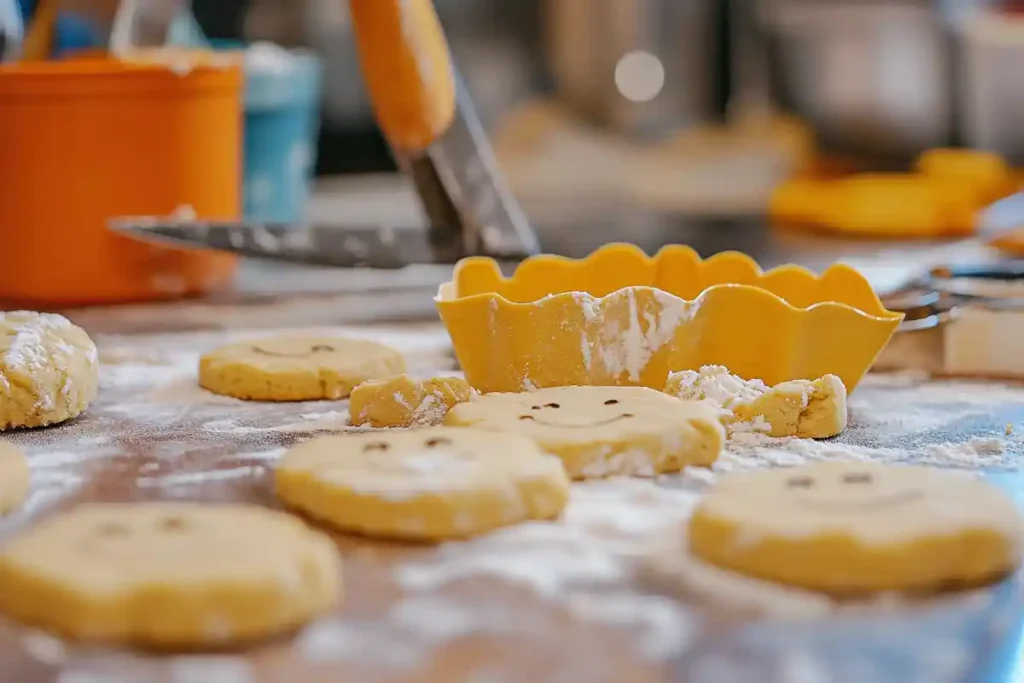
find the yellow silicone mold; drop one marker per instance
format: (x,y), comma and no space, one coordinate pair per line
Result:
(620,317)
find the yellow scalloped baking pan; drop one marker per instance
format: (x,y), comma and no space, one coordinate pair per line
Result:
(620,317)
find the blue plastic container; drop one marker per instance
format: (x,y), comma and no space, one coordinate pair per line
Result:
(282,114)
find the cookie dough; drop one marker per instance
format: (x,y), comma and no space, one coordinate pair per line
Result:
(296,368)
(804,408)
(169,574)
(853,528)
(14,477)
(405,402)
(601,431)
(48,369)
(423,484)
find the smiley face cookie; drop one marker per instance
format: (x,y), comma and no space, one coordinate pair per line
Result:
(423,484)
(849,528)
(601,431)
(169,574)
(296,368)
(14,477)
(405,402)
(803,408)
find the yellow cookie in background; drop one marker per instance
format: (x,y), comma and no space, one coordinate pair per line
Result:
(14,477)
(601,431)
(810,409)
(296,368)
(423,484)
(854,528)
(405,402)
(169,574)
(49,369)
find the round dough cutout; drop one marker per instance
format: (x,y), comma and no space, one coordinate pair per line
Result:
(422,484)
(296,368)
(169,574)
(601,431)
(14,477)
(853,528)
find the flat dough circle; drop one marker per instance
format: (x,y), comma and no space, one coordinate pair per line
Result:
(848,528)
(296,368)
(599,431)
(425,484)
(14,477)
(169,574)
(49,369)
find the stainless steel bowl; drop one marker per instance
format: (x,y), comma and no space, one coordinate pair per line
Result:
(872,77)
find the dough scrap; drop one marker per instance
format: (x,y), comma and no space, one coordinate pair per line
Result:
(803,408)
(14,477)
(602,431)
(169,574)
(49,369)
(427,484)
(296,368)
(405,402)
(854,528)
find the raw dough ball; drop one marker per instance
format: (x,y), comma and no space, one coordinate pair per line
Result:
(848,528)
(48,369)
(14,477)
(169,574)
(426,484)
(405,402)
(807,409)
(599,431)
(296,368)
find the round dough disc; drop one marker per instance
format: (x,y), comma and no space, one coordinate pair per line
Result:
(14,477)
(169,574)
(848,528)
(425,484)
(599,431)
(296,368)
(49,369)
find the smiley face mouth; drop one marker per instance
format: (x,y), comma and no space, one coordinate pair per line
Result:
(319,348)
(588,425)
(862,504)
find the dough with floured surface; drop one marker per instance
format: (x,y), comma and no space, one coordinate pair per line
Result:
(601,431)
(405,402)
(810,409)
(49,369)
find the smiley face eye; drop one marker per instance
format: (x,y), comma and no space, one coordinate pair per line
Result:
(611,401)
(857,478)
(536,407)
(322,347)
(431,443)
(172,524)
(552,405)
(799,482)
(112,529)
(627,415)
(526,417)
(376,446)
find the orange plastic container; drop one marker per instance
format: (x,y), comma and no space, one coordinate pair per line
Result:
(85,140)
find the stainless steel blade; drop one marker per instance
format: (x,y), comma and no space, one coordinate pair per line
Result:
(469,205)
(320,245)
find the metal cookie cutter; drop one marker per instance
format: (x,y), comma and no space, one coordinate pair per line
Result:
(960,320)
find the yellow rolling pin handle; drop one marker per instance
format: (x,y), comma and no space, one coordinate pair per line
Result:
(38,44)
(407,67)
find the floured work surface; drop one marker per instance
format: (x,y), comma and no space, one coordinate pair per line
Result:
(537,602)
